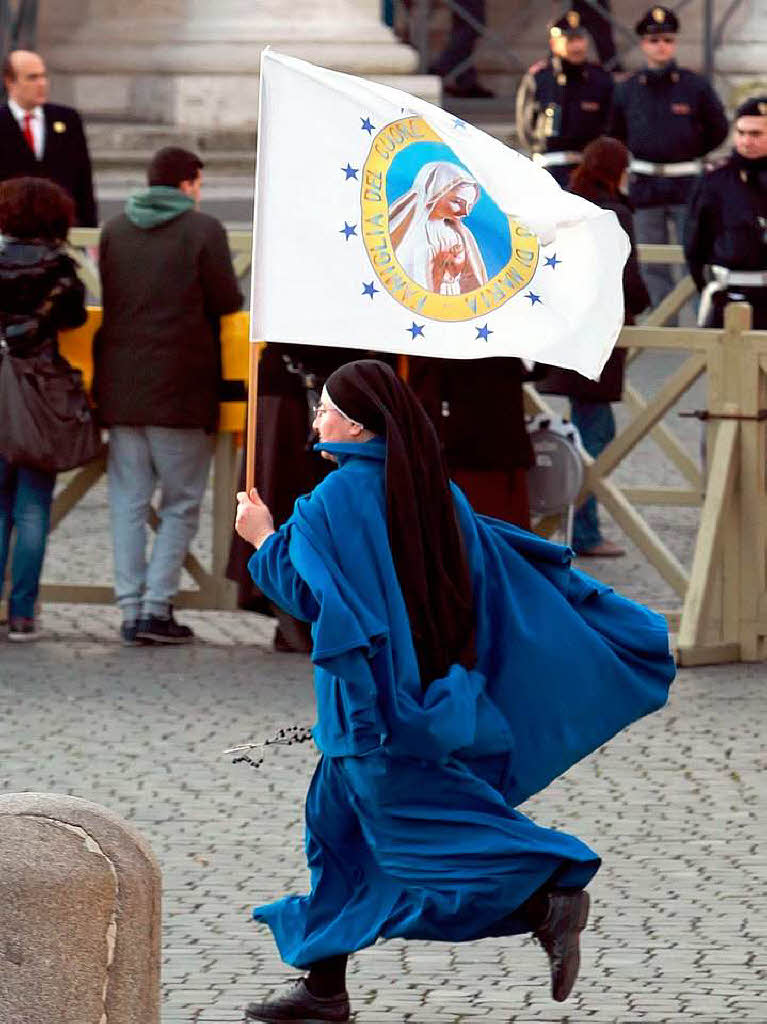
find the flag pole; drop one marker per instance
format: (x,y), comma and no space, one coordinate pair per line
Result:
(254,346)
(250,431)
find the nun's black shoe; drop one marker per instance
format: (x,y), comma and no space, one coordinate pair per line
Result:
(299,1005)
(559,934)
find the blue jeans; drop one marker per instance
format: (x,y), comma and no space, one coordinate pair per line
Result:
(596,425)
(140,458)
(25,505)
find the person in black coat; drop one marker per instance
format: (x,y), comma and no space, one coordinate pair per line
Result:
(726,231)
(41,139)
(39,294)
(599,179)
(290,381)
(166,278)
(476,406)
(564,102)
(669,117)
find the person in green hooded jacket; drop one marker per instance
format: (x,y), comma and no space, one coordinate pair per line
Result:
(166,279)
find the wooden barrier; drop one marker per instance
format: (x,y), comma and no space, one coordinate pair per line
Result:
(722,614)
(214,590)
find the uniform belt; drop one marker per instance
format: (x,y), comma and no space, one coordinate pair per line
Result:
(744,278)
(721,279)
(557,158)
(680,170)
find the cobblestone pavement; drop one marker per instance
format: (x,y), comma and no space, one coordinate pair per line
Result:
(675,805)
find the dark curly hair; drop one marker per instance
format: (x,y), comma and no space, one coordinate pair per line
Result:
(35,208)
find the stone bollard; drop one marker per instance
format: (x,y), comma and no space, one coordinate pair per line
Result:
(79,915)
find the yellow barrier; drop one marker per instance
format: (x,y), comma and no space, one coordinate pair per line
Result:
(214,590)
(77,347)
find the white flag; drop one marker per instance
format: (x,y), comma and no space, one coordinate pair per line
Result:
(383,222)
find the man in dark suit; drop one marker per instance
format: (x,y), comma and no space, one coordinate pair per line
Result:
(41,139)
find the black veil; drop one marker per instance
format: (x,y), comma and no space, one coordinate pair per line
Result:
(425,539)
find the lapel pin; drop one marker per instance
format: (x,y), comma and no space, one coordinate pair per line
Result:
(59,126)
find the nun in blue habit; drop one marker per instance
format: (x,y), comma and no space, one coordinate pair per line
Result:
(460,664)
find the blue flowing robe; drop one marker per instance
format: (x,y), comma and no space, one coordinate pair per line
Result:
(411,827)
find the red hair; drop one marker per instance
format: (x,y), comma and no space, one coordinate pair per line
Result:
(604,161)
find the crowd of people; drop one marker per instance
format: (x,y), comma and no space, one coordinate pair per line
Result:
(442,701)
(595,135)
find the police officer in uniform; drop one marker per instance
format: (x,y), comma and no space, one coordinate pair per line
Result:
(669,117)
(726,232)
(563,103)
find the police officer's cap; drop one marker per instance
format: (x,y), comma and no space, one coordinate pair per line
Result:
(657,21)
(756,106)
(568,25)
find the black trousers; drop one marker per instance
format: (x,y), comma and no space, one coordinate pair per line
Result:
(756,297)
(460,44)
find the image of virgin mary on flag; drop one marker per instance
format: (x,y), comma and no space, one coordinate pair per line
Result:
(432,244)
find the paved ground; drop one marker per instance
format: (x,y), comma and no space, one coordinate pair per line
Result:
(675,805)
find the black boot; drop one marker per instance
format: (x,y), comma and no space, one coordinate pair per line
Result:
(298,1004)
(559,934)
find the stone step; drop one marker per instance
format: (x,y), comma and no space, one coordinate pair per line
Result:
(118,146)
(234,57)
(209,97)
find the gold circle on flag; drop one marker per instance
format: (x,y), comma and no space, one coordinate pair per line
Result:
(384,253)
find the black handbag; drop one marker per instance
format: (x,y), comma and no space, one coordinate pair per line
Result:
(46,420)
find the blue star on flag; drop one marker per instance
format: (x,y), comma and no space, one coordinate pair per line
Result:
(369,289)
(348,230)
(533,298)
(483,333)
(367,125)
(552,261)
(349,171)
(416,330)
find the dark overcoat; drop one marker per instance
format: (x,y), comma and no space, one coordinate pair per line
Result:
(65,157)
(157,355)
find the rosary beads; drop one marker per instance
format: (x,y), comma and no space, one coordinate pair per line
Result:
(283,738)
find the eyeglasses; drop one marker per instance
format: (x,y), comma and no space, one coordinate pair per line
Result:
(668,40)
(320,409)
